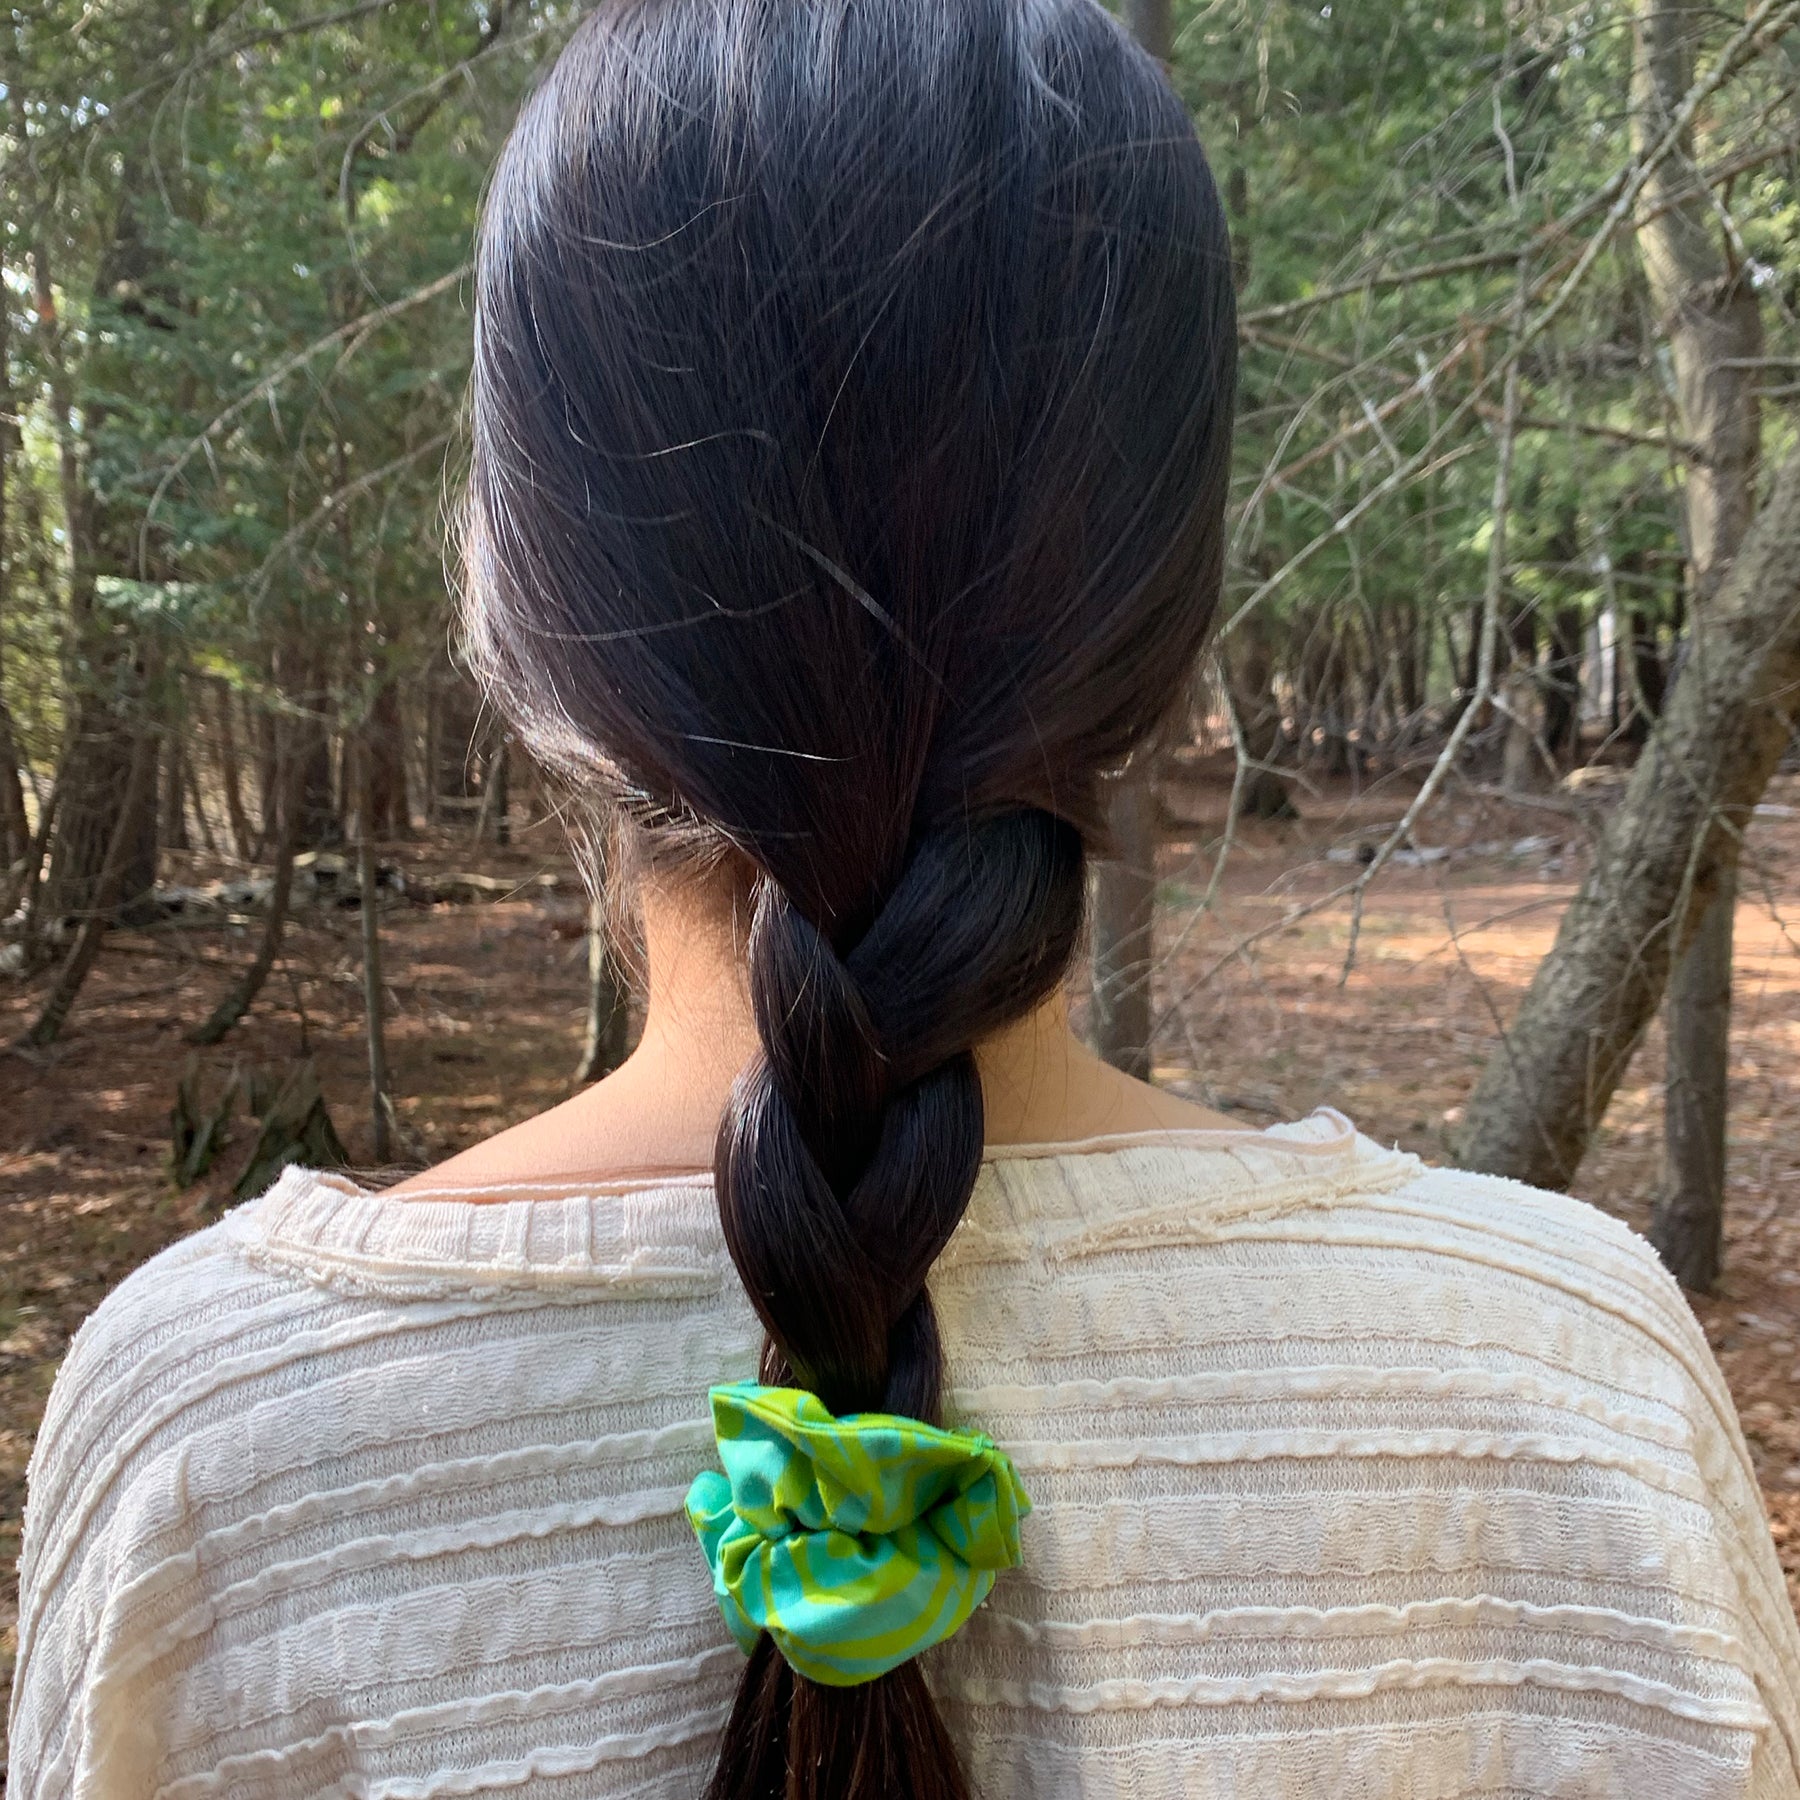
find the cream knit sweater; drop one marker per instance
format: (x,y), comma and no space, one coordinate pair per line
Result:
(1355,1481)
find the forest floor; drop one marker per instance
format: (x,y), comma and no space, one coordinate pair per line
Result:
(486,1005)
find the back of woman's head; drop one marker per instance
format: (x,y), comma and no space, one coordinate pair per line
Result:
(852,405)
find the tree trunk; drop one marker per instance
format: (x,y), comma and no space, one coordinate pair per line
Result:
(136,801)
(1124,920)
(1659,862)
(15,827)
(1522,768)
(1249,670)
(105,668)
(455,728)
(1687,1223)
(250,984)
(320,821)
(101,757)
(1466,660)
(198,807)
(229,777)
(1562,687)
(373,1008)
(495,793)
(1642,676)
(1713,323)
(603,1044)
(29,895)
(1408,673)
(269,753)
(387,739)
(171,822)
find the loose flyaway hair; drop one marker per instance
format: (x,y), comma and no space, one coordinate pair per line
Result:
(851,412)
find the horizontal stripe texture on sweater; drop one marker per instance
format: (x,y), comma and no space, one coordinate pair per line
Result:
(1350,1477)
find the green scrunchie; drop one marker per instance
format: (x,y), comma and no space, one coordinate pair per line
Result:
(855,1542)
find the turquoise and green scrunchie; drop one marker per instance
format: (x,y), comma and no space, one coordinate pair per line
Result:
(854,1542)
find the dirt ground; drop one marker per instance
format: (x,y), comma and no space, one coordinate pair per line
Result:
(485,1023)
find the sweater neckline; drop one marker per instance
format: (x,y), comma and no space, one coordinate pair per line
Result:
(661,1236)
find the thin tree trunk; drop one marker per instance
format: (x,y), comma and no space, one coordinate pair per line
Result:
(1687,1225)
(30,888)
(1249,670)
(1714,329)
(1124,926)
(230,779)
(1562,687)
(198,807)
(1672,840)
(491,814)
(15,823)
(271,748)
(15,827)
(138,798)
(387,738)
(104,673)
(250,984)
(171,823)
(603,1044)
(456,730)
(373,1007)
(1522,765)
(321,823)
(1407,671)
(101,757)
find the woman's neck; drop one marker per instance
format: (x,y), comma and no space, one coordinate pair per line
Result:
(659,1111)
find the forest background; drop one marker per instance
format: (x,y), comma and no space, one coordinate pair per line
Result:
(1478,825)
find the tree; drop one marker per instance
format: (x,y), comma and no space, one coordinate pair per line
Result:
(1661,859)
(1712,322)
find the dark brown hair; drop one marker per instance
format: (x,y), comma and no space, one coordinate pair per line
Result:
(851,413)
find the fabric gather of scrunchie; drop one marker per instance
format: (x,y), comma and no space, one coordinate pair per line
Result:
(855,1543)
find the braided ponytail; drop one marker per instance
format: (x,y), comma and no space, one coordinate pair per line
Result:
(844,1163)
(851,409)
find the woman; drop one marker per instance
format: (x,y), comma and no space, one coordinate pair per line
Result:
(851,419)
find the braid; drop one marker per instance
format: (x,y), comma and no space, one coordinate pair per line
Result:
(845,1161)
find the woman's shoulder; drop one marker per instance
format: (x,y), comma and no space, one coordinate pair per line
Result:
(326,1367)
(1317,1178)
(156,1350)
(173,1314)
(1311,1241)
(246,1323)
(107,1483)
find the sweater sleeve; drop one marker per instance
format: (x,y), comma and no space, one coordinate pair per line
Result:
(107,1556)
(1768,1630)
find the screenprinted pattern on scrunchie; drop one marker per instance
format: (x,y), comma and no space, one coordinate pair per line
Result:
(855,1543)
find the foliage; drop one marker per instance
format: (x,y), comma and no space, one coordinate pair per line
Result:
(236,232)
